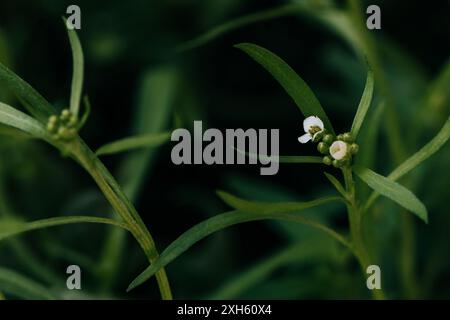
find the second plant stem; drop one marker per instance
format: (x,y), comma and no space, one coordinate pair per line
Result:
(355,220)
(118,200)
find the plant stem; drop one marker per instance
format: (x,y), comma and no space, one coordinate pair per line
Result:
(121,204)
(354,215)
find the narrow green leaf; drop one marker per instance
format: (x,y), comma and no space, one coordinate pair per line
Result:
(13,228)
(271,207)
(364,104)
(416,159)
(14,118)
(22,287)
(393,191)
(32,100)
(78,70)
(136,142)
(219,222)
(335,182)
(428,150)
(289,80)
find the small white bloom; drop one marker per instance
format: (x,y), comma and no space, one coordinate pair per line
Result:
(338,150)
(312,126)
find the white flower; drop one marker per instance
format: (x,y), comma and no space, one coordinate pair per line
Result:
(312,126)
(338,150)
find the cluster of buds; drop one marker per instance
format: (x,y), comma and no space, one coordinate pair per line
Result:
(337,151)
(64,126)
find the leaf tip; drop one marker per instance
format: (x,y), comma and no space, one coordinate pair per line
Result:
(242,46)
(222,194)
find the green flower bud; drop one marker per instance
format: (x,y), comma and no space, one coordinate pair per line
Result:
(53,119)
(51,127)
(354,148)
(72,121)
(323,147)
(62,132)
(327,160)
(337,163)
(328,139)
(66,134)
(340,137)
(347,137)
(65,115)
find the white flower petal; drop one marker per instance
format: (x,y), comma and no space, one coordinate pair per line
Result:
(305,138)
(338,150)
(312,121)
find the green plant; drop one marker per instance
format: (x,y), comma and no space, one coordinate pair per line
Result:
(61,131)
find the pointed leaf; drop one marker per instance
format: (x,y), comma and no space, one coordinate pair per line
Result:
(335,182)
(416,159)
(78,69)
(393,191)
(219,222)
(289,80)
(271,207)
(13,228)
(135,142)
(19,120)
(32,100)
(429,149)
(364,104)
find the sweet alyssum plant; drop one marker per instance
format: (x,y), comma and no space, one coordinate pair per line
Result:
(61,129)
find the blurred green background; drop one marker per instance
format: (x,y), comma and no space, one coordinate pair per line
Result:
(138,82)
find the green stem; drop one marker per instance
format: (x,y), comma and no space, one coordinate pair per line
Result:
(354,215)
(121,204)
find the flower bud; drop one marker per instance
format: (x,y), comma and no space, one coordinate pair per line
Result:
(72,121)
(65,115)
(51,127)
(354,148)
(347,137)
(66,134)
(327,160)
(323,147)
(337,163)
(53,119)
(328,139)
